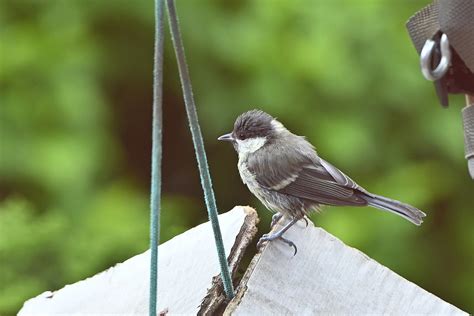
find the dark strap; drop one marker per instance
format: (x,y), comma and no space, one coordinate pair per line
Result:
(468,121)
(455,18)
(423,25)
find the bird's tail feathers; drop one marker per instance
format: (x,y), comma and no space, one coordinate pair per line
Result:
(406,211)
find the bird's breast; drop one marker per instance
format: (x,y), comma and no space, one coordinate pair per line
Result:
(249,179)
(245,174)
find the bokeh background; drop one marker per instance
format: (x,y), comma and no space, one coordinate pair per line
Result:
(75,127)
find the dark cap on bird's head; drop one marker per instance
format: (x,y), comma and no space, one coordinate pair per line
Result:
(251,124)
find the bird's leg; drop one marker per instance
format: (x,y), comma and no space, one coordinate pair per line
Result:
(275,218)
(279,235)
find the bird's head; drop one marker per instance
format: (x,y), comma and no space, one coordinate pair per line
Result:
(252,130)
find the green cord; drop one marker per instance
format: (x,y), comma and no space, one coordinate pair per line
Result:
(199,147)
(156,154)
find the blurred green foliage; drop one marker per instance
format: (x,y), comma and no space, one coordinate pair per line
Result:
(75,117)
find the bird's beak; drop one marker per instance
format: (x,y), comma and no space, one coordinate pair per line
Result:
(226,137)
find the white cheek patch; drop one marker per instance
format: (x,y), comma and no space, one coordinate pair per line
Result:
(250,145)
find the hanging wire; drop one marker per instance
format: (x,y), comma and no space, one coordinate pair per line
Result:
(155,198)
(199,146)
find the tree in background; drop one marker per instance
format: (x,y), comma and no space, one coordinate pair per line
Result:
(75,117)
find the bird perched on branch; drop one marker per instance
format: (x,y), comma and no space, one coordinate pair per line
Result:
(287,175)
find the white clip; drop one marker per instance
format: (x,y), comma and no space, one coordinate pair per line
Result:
(425,59)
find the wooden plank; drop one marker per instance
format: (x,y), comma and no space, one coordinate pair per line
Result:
(187,265)
(327,277)
(215,301)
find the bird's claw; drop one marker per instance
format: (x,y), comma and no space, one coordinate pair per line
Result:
(270,237)
(305,221)
(290,243)
(262,240)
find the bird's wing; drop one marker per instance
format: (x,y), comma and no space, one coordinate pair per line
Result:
(340,177)
(305,177)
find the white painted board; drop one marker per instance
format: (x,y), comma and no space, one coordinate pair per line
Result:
(187,264)
(327,277)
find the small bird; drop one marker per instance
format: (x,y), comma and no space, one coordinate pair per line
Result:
(285,173)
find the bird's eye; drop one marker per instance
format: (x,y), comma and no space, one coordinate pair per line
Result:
(241,136)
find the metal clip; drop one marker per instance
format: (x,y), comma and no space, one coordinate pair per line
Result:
(425,59)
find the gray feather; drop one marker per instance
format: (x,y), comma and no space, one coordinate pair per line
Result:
(290,166)
(299,173)
(316,187)
(406,211)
